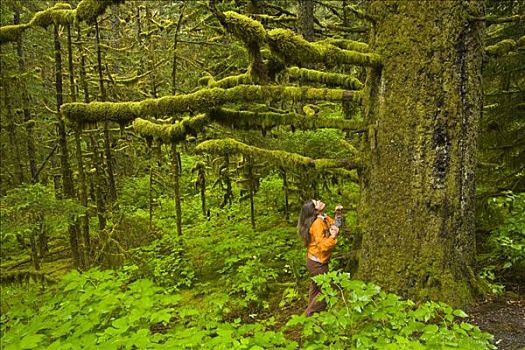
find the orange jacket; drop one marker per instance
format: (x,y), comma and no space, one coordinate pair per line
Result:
(321,244)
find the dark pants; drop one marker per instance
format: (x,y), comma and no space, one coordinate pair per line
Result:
(315,305)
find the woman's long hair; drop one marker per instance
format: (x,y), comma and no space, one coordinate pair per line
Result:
(306,218)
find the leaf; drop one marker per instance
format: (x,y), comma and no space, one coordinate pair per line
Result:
(31,341)
(121,323)
(460,313)
(160,316)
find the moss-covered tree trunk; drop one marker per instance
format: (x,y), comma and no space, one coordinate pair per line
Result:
(417,208)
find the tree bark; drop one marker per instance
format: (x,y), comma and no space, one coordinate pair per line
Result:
(84,219)
(67,177)
(176,184)
(417,188)
(305,19)
(31,151)
(13,140)
(107,136)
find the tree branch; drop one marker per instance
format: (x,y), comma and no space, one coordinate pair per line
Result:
(198,102)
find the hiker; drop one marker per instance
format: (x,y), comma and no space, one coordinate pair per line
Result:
(319,234)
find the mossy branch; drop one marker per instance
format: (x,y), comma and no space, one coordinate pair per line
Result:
(169,133)
(360,14)
(231,81)
(295,50)
(504,47)
(11,33)
(280,158)
(89,10)
(347,44)
(497,20)
(197,102)
(59,14)
(330,79)
(267,120)
(244,28)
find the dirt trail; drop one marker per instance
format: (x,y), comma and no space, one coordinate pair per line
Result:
(503,317)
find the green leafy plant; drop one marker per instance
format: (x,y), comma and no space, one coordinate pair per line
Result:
(362,316)
(505,257)
(96,308)
(164,262)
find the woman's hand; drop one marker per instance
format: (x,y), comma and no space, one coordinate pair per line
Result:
(334,231)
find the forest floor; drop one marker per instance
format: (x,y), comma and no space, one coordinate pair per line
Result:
(504,317)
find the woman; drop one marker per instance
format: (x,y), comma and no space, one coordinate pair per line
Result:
(319,235)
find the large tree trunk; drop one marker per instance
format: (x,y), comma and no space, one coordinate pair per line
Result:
(417,206)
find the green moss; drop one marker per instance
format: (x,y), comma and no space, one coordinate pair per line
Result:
(267,120)
(82,113)
(59,14)
(348,44)
(89,10)
(501,48)
(206,80)
(200,101)
(11,33)
(294,49)
(280,158)
(330,79)
(244,28)
(167,132)
(232,81)
(521,42)
(291,47)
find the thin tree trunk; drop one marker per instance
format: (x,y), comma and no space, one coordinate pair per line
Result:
(150,185)
(67,178)
(34,251)
(43,247)
(285,190)
(84,219)
(99,183)
(31,152)
(305,19)
(203,195)
(175,43)
(98,179)
(13,140)
(175,160)
(107,136)
(83,77)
